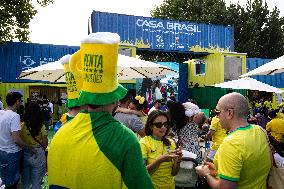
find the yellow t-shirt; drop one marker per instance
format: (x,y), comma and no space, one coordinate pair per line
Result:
(276,128)
(244,157)
(28,139)
(219,133)
(151,150)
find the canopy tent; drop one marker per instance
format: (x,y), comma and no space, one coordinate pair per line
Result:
(250,84)
(270,68)
(128,68)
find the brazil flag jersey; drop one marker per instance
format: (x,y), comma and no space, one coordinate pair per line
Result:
(244,157)
(93,150)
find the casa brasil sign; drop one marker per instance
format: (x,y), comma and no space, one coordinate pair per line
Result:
(168,25)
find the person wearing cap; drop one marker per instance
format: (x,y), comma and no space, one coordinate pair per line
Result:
(94,150)
(74,84)
(243,159)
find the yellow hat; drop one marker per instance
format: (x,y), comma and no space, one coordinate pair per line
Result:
(73,83)
(96,63)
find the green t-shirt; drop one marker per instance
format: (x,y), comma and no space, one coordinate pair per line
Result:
(93,150)
(244,157)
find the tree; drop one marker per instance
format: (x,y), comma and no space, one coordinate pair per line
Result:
(15,17)
(258,31)
(209,11)
(272,36)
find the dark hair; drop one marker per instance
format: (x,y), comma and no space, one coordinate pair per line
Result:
(272,114)
(12,98)
(45,101)
(138,105)
(21,112)
(34,118)
(177,114)
(173,98)
(158,101)
(126,98)
(153,115)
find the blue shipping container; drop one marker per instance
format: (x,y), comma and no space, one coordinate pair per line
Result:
(17,56)
(158,34)
(276,80)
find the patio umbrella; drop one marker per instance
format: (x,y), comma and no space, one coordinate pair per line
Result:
(270,68)
(128,68)
(250,84)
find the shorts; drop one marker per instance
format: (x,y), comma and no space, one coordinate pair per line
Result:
(10,167)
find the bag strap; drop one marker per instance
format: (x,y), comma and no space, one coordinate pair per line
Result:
(269,146)
(35,138)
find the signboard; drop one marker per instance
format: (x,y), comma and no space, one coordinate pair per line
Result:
(152,33)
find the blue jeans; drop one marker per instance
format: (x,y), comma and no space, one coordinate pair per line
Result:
(34,168)
(10,167)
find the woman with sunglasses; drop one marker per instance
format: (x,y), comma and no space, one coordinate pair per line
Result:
(161,158)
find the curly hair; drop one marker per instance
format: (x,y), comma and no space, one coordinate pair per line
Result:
(148,126)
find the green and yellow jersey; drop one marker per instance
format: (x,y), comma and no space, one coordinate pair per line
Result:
(219,133)
(152,149)
(244,157)
(94,150)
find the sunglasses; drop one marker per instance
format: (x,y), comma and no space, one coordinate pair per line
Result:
(160,124)
(219,111)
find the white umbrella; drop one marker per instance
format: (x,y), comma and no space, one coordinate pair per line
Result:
(248,83)
(128,68)
(270,68)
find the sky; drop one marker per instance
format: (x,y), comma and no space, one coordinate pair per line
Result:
(65,22)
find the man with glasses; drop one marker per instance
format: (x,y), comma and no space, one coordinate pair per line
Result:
(243,159)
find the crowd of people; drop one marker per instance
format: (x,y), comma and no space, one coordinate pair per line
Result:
(111,139)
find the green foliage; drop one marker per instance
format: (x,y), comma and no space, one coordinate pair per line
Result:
(15,16)
(258,31)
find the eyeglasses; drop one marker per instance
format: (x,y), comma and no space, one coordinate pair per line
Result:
(161,124)
(219,111)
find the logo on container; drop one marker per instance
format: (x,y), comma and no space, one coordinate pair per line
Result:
(177,26)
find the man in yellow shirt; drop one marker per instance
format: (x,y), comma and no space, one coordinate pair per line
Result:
(245,147)
(217,133)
